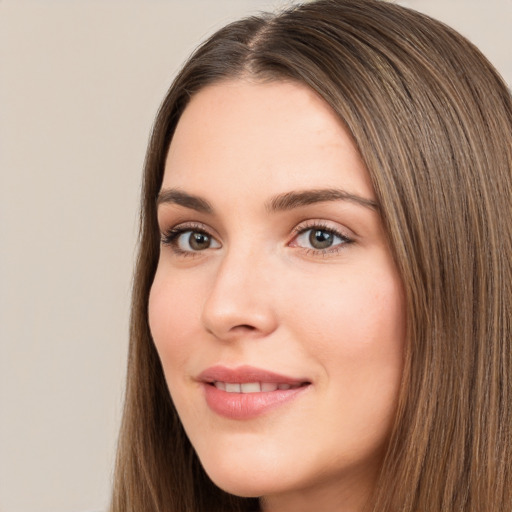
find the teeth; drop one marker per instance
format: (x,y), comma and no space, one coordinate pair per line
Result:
(252,387)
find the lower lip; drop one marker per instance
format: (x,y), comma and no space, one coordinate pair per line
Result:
(245,406)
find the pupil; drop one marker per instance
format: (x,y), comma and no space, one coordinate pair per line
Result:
(320,239)
(199,241)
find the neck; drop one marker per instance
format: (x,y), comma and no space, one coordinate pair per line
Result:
(338,496)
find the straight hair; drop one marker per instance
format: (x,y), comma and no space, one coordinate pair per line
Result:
(432,120)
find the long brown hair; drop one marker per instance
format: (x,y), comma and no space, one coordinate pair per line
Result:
(433,122)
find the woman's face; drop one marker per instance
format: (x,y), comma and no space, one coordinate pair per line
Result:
(276,308)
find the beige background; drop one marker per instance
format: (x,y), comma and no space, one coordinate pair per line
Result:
(80,82)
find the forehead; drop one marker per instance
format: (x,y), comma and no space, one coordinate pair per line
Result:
(281,134)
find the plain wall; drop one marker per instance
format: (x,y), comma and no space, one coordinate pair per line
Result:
(80,82)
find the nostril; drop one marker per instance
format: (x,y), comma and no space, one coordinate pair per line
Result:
(228,317)
(245,327)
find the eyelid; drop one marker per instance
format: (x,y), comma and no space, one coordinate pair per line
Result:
(169,237)
(322,225)
(189,226)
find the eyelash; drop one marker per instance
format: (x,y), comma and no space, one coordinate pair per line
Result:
(321,226)
(171,236)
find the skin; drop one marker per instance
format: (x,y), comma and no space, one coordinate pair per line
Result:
(263,294)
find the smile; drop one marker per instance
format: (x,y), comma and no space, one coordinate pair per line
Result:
(253,387)
(246,392)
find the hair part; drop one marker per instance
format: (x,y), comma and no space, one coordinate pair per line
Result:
(432,120)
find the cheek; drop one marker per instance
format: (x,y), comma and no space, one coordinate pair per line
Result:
(359,339)
(355,325)
(172,316)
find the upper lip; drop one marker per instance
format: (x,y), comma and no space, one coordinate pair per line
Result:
(243,374)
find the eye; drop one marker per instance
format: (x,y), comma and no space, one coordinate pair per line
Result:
(187,240)
(320,238)
(193,241)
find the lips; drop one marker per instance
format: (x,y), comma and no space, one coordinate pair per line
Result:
(252,387)
(246,392)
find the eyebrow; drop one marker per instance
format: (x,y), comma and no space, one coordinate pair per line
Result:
(281,202)
(291,200)
(175,196)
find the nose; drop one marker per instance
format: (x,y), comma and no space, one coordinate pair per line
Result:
(241,302)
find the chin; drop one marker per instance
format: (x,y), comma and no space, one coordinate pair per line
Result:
(240,483)
(244,480)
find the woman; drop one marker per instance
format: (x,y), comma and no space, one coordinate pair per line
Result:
(321,315)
